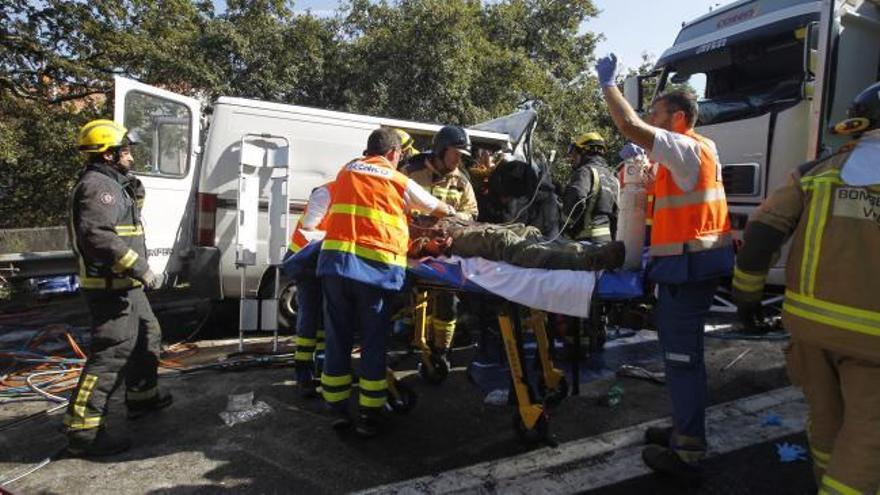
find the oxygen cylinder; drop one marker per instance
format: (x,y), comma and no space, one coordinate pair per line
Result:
(633,204)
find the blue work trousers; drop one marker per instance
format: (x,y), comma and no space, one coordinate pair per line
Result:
(309,319)
(681,315)
(353,307)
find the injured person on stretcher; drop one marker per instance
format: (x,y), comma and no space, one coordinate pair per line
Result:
(516,244)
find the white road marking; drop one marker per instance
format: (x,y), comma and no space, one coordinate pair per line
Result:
(611,457)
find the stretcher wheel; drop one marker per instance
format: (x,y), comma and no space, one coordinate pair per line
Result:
(539,434)
(555,396)
(404,400)
(438,374)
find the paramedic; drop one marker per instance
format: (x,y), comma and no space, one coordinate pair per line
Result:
(362,263)
(691,249)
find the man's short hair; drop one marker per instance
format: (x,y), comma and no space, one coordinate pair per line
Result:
(381,141)
(682,101)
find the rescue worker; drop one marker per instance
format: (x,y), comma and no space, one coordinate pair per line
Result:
(309,301)
(107,237)
(407,146)
(691,249)
(830,209)
(440,174)
(362,263)
(589,203)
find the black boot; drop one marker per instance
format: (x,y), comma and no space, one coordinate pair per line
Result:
(90,443)
(665,461)
(140,409)
(371,421)
(305,381)
(658,435)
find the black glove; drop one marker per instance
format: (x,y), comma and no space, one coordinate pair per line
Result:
(751,315)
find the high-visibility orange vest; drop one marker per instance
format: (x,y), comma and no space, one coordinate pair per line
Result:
(367,231)
(697,219)
(298,240)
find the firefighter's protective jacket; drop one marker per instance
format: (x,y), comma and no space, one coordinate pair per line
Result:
(590,200)
(105,228)
(453,188)
(832,268)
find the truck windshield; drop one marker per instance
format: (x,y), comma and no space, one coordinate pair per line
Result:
(742,80)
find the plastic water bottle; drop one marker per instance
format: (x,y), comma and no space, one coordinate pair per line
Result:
(633,201)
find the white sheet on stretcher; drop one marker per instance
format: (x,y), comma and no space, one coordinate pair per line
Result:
(565,292)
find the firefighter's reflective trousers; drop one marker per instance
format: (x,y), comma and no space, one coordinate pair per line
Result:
(125,346)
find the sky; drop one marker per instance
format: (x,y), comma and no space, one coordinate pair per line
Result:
(630,27)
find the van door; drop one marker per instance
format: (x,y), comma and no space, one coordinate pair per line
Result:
(167,125)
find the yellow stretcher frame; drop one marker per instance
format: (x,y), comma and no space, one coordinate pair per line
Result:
(531,421)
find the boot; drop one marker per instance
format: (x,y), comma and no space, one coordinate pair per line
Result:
(305,381)
(665,461)
(658,435)
(341,420)
(371,421)
(140,409)
(90,443)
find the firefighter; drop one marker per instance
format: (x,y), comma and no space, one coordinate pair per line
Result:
(309,301)
(691,249)
(362,264)
(407,146)
(830,209)
(589,203)
(107,237)
(440,174)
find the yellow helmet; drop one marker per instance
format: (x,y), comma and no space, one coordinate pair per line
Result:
(406,142)
(100,135)
(591,141)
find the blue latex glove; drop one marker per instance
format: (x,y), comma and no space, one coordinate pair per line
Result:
(631,150)
(606,67)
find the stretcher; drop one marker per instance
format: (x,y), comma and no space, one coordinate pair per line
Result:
(530,422)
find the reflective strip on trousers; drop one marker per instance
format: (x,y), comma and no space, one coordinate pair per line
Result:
(320,345)
(82,396)
(335,388)
(832,486)
(689,199)
(828,313)
(141,395)
(373,393)
(748,281)
(305,349)
(86,423)
(365,252)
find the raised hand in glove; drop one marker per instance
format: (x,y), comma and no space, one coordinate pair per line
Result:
(751,315)
(606,68)
(631,150)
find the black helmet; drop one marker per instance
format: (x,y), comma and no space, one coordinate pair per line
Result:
(451,136)
(864,113)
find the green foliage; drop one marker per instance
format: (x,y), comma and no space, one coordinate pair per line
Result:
(442,61)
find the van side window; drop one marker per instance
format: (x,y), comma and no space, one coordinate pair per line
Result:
(163,129)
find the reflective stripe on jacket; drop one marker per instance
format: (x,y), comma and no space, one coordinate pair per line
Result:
(298,239)
(367,232)
(832,268)
(698,218)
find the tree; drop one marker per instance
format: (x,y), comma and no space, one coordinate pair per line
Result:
(453,61)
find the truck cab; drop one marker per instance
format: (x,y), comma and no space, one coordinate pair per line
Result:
(770,77)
